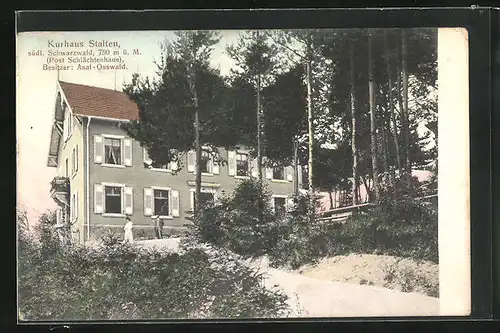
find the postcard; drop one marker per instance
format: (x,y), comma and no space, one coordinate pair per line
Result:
(208,174)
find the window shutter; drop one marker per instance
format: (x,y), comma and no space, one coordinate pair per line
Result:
(191,160)
(127,152)
(254,168)
(98,149)
(76,158)
(231,162)
(72,161)
(289,173)
(128,195)
(174,196)
(98,198)
(148,201)
(269,173)
(146,158)
(191,198)
(76,206)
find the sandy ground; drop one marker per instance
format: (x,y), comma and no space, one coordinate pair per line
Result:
(318,296)
(376,270)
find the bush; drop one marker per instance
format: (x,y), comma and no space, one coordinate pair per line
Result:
(119,281)
(412,276)
(245,224)
(297,236)
(242,222)
(404,228)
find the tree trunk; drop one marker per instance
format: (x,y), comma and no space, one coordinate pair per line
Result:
(331,199)
(391,98)
(371,87)
(198,150)
(259,128)
(295,166)
(405,108)
(310,128)
(354,127)
(385,158)
(400,107)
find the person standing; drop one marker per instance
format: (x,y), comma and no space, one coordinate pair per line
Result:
(129,236)
(163,212)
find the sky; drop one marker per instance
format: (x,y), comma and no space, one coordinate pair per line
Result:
(36,94)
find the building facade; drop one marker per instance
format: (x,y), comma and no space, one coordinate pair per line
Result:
(111,176)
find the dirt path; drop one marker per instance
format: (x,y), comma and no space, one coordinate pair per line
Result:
(312,297)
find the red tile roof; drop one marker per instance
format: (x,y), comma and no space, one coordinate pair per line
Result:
(99,102)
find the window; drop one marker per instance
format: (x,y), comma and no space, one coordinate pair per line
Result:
(208,165)
(112,151)
(279,173)
(205,162)
(70,120)
(161,203)
(113,200)
(66,170)
(241,164)
(148,163)
(279,204)
(74,160)
(68,123)
(205,197)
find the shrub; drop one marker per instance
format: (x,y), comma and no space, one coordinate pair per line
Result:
(412,276)
(242,222)
(404,228)
(120,281)
(297,236)
(245,224)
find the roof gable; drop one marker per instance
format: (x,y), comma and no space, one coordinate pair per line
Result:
(99,102)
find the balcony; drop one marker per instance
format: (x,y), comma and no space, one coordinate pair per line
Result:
(59,190)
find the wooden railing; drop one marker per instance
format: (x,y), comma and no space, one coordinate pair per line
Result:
(340,215)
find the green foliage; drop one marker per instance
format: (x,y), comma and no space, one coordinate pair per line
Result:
(166,106)
(296,236)
(119,281)
(412,276)
(284,114)
(245,224)
(240,222)
(404,228)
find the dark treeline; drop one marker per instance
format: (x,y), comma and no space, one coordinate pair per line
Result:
(344,105)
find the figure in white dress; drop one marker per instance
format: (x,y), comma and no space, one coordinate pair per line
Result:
(129,236)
